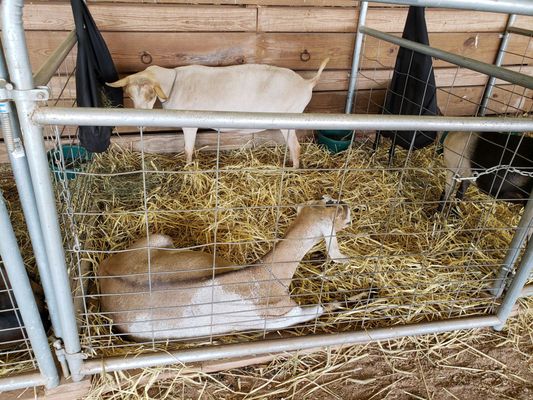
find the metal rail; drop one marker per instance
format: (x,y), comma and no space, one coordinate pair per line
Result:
(19,68)
(523,7)
(515,248)
(356,59)
(499,60)
(50,66)
(517,285)
(244,120)
(22,381)
(21,286)
(282,345)
(21,173)
(520,31)
(475,65)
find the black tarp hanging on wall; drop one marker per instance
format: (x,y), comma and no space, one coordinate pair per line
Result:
(412,90)
(94,67)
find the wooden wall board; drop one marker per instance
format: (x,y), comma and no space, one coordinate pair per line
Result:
(458,101)
(281,49)
(124,17)
(143,17)
(309,19)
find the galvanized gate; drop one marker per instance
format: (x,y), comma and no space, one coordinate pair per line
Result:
(406,272)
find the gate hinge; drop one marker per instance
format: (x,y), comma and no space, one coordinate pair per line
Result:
(8,92)
(63,356)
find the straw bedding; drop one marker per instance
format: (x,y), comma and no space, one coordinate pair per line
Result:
(407,263)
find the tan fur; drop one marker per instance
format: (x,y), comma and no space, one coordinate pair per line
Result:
(249,87)
(458,147)
(180,298)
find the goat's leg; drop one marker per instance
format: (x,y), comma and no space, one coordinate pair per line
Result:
(294,146)
(462,189)
(332,247)
(448,190)
(189,137)
(377,141)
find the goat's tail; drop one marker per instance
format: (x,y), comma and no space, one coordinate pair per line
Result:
(314,79)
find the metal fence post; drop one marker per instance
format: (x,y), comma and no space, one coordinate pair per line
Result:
(356,57)
(17,59)
(519,281)
(21,173)
(499,60)
(515,247)
(23,293)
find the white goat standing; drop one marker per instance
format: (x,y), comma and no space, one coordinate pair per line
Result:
(246,88)
(177,295)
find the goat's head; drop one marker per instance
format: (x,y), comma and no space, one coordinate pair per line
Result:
(333,214)
(143,88)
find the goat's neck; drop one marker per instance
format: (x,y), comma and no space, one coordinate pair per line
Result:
(166,78)
(287,253)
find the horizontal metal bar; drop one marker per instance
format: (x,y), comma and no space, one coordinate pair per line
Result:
(520,31)
(22,381)
(240,120)
(475,65)
(282,345)
(524,7)
(50,66)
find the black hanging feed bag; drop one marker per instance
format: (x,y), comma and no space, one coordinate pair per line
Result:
(412,90)
(94,67)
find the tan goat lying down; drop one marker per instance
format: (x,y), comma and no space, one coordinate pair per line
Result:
(186,301)
(249,87)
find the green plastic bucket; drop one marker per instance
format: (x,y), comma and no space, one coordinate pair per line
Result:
(334,140)
(74,158)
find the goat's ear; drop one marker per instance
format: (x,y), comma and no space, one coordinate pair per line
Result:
(120,83)
(299,209)
(160,93)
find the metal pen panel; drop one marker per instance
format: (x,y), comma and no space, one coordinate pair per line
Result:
(21,173)
(10,254)
(20,73)
(283,345)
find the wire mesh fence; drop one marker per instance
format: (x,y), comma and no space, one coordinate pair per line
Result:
(131,221)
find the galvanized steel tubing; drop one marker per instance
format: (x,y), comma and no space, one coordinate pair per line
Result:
(19,69)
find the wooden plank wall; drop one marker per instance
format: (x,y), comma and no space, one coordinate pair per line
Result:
(277,32)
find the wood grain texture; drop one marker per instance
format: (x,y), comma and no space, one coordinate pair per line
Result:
(143,17)
(309,19)
(282,49)
(458,101)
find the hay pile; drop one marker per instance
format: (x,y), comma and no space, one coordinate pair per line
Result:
(407,264)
